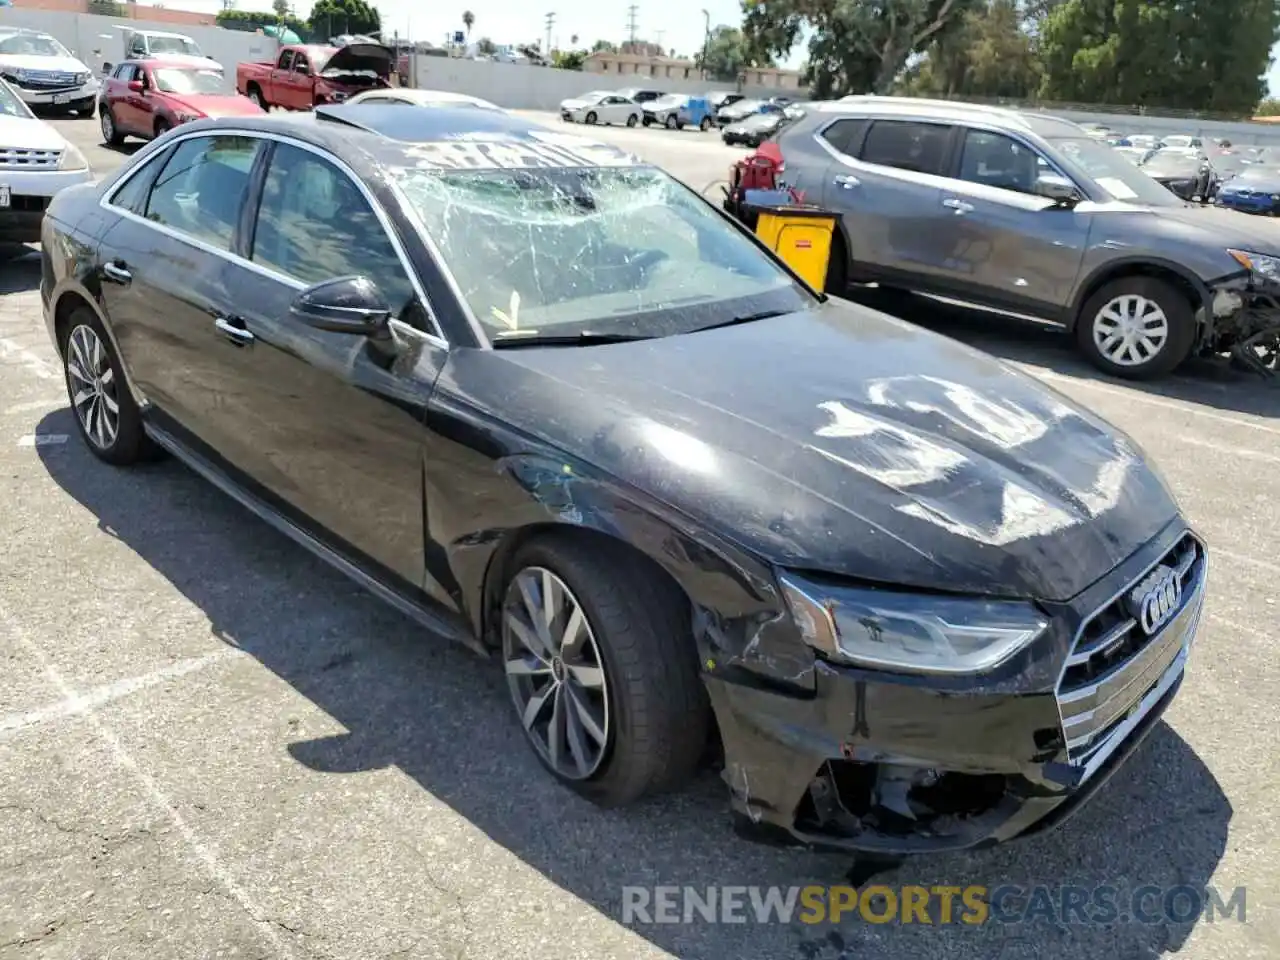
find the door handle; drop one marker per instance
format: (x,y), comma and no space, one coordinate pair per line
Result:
(846,182)
(959,206)
(233,329)
(116,273)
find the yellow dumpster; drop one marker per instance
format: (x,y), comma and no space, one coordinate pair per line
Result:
(801,236)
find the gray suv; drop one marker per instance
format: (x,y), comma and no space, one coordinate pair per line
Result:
(1028,214)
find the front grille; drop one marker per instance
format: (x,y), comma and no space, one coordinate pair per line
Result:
(47,80)
(1114,662)
(28,158)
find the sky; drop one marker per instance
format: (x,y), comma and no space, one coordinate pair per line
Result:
(669,22)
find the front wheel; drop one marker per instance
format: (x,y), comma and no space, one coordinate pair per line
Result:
(705,125)
(632,120)
(162,127)
(1137,328)
(671,123)
(602,670)
(647,121)
(591,117)
(107,419)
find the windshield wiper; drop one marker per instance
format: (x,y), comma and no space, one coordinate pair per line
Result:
(505,341)
(747,318)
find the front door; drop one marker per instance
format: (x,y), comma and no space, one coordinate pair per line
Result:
(330,424)
(1007,245)
(301,89)
(888,197)
(171,269)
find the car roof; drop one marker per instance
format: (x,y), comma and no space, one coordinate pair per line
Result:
(438,97)
(948,111)
(444,137)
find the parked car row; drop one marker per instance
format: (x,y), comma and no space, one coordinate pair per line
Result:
(741,120)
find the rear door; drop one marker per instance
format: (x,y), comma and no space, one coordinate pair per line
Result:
(889,194)
(126,104)
(167,275)
(1004,243)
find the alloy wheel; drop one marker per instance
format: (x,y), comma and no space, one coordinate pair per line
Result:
(107,124)
(555,673)
(93,387)
(1130,330)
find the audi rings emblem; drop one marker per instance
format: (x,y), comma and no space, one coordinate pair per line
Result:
(1160,602)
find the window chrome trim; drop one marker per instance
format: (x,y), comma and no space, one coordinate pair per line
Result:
(105,203)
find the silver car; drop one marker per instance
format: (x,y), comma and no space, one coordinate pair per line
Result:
(601,106)
(1031,215)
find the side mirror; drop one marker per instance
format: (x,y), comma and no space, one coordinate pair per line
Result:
(1056,188)
(344,305)
(135,86)
(106,68)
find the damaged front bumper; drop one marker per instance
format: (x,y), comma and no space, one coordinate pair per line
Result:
(895,765)
(1242,318)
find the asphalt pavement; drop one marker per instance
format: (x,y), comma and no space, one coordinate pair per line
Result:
(212,745)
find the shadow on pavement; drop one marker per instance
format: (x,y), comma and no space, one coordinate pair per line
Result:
(1211,383)
(19,270)
(442,716)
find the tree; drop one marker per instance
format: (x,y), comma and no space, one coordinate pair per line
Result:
(1185,54)
(855,46)
(329,18)
(486,47)
(569,59)
(251,21)
(726,53)
(988,54)
(468,21)
(603,46)
(281,8)
(573,41)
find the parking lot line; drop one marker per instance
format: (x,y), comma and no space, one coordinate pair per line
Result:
(20,355)
(207,858)
(112,691)
(1231,450)
(35,405)
(1244,558)
(1137,396)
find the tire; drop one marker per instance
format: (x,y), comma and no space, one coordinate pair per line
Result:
(705,125)
(652,710)
(256,96)
(837,281)
(647,121)
(632,120)
(94,375)
(670,122)
(590,117)
(107,121)
(162,127)
(1137,302)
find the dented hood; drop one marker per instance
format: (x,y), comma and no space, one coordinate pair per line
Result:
(844,441)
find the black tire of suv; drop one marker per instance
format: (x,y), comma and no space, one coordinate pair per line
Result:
(660,712)
(1178,311)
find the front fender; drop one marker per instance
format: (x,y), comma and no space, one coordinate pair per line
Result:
(739,621)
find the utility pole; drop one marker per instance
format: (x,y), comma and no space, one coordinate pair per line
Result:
(706,41)
(551,19)
(631,25)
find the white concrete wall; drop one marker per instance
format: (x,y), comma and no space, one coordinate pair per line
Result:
(95,39)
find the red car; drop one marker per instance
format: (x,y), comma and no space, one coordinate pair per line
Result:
(144,98)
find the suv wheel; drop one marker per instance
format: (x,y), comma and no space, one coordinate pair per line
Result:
(1137,328)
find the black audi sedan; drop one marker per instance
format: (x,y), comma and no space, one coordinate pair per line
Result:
(547,400)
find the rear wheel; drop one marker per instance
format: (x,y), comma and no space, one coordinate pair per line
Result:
(256,96)
(602,671)
(1137,328)
(107,419)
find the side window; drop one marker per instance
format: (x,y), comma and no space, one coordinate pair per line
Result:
(846,136)
(314,224)
(906,145)
(203,187)
(286,60)
(995,160)
(133,195)
(300,63)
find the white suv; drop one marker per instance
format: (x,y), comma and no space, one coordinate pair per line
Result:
(44,73)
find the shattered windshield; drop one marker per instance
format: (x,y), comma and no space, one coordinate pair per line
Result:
(625,251)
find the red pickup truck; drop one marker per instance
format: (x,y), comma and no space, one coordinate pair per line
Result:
(304,76)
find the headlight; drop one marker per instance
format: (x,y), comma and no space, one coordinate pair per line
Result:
(1259,264)
(911,633)
(82,79)
(22,75)
(72,159)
